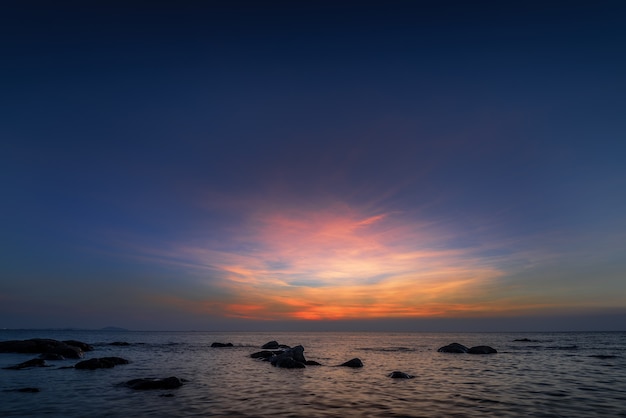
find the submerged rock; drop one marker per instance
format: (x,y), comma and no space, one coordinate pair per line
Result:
(120,343)
(312,363)
(400,375)
(151,383)
(36,362)
(482,349)
(453,348)
(100,363)
(355,362)
(24,390)
(219,345)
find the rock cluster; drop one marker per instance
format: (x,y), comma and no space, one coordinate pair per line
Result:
(292,357)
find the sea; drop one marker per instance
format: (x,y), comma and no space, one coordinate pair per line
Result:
(543,375)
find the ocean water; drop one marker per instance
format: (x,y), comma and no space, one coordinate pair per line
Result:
(554,375)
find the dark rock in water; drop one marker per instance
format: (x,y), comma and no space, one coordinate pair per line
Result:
(603,356)
(24,390)
(100,363)
(42,345)
(67,351)
(264,354)
(453,348)
(525,340)
(312,363)
(120,343)
(36,362)
(297,353)
(355,362)
(51,356)
(222,345)
(272,345)
(290,359)
(166,395)
(482,349)
(400,375)
(287,363)
(83,346)
(150,384)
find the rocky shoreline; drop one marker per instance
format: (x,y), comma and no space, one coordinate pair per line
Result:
(278,355)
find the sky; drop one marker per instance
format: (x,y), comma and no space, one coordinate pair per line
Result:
(313,165)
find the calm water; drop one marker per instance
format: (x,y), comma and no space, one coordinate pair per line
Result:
(559,375)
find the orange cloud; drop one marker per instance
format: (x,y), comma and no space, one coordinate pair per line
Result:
(338,263)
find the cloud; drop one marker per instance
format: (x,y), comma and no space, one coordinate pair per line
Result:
(332,262)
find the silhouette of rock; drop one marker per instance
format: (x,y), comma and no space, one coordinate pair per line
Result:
(312,363)
(151,384)
(525,340)
(36,362)
(355,362)
(83,346)
(51,356)
(482,349)
(272,345)
(291,358)
(265,354)
(400,375)
(222,345)
(120,343)
(453,348)
(41,346)
(24,390)
(100,363)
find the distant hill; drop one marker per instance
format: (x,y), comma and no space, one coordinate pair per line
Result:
(113,329)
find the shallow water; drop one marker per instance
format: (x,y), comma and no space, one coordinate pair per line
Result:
(554,375)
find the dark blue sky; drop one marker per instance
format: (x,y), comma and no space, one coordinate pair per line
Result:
(209,164)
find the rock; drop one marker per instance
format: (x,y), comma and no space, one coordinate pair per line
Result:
(453,348)
(222,345)
(150,384)
(67,351)
(482,349)
(41,346)
(36,362)
(297,353)
(355,362)
(120,343)
(24,390)
(312,363)
(272,345)
(525,340)
(83,346)
(51,356)
(290,359)
(100,363)
(265,354)
(288,363)
(400,375)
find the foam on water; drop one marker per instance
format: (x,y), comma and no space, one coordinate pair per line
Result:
(556,374)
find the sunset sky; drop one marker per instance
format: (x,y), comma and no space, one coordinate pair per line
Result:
(313,165)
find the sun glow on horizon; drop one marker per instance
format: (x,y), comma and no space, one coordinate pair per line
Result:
(334,264)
